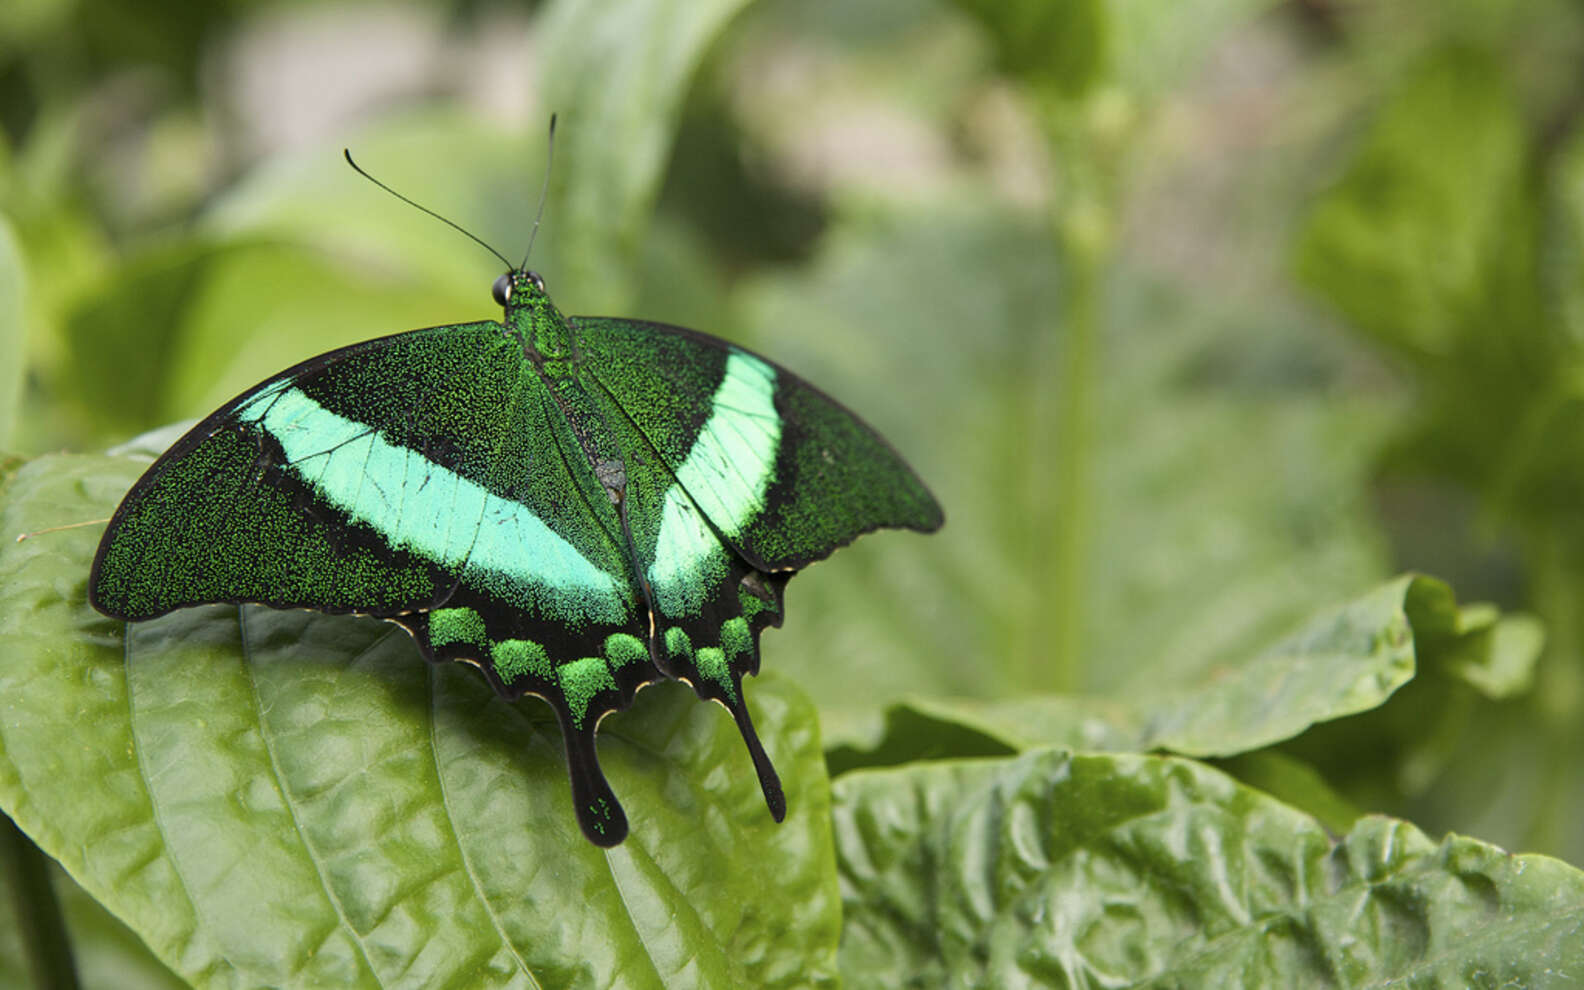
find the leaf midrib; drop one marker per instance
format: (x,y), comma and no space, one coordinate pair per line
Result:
(462,854)
(290,802)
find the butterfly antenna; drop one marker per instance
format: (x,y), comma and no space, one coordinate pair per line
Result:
(419,206)
(543,193)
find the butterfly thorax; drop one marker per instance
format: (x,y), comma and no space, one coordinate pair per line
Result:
(549,345)
(544,333)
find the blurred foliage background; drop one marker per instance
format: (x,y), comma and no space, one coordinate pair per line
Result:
(1196,316)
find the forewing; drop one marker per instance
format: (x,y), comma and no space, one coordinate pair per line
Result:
(231,512)
(784,473)
(423,478)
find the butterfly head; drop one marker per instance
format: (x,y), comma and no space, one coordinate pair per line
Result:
(519,287)
(530,315)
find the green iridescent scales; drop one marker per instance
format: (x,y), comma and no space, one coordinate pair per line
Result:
(576,507)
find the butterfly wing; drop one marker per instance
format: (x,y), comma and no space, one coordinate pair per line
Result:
(423,478)
(226,515)
(744,473)
(784,472)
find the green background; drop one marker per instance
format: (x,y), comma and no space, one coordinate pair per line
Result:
(1202,319)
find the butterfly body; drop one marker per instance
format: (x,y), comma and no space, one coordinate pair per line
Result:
(576,506)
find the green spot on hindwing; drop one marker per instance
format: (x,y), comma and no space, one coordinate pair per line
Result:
(736,639)
(751,604)
(515,657)
(581,680)
(456,625)
(711,663)
(622,649)
(678,646)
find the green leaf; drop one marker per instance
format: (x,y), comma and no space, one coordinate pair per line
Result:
(1054,870)
(616,71)
(286,797)
(1294,782)
(13,333)
(1072,46)
(123,336)
(1063,45)
(1342,661)
(109,955)
(1498,657)
(1423,244)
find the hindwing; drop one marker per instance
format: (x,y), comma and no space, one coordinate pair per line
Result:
(739,474)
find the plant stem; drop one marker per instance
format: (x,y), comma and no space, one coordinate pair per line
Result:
(1073,507)
(45,945)
(1089,149)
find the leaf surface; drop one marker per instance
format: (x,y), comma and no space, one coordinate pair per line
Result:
(1072,46)
(1343,660)
(273,798)
(1055,870)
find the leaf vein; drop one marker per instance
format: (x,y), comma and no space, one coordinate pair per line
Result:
(291,805)
(467,863)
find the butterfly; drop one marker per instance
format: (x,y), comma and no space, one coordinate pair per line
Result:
(575,506)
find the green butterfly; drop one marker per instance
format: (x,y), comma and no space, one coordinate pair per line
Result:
(576,506)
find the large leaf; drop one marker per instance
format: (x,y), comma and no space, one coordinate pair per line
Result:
(616,71)
(1423,242)
(284,797)
(1344,660)
(1452,240)
(1054,870)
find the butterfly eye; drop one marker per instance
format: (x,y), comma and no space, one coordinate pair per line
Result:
(536,280)
(502,289)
